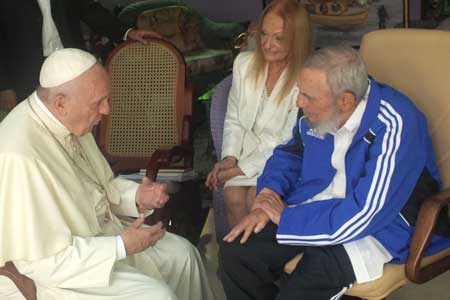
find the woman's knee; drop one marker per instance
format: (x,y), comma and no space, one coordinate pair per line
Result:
(234,197)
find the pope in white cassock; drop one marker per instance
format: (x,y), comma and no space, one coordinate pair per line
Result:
(59,201)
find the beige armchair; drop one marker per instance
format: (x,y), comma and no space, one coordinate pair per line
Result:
(416,62)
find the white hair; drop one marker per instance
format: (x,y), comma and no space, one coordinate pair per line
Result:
(344,69)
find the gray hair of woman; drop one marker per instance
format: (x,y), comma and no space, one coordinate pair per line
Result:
(344,68)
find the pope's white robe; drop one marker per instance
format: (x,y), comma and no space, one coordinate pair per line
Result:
(58,207)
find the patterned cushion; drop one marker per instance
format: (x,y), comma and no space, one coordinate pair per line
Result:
(207,60)
(205,45)
(131,12)
(177,24)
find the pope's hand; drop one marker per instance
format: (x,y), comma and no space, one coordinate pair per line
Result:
(150,195)
(137,238)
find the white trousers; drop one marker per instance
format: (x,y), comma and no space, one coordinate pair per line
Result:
(170,270)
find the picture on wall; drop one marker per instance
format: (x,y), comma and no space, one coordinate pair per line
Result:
(337,21)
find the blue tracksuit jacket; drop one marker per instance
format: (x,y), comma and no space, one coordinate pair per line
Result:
(390,167)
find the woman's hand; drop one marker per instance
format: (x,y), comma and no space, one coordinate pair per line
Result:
(222,171)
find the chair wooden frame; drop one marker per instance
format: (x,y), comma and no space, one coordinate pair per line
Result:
(417,269)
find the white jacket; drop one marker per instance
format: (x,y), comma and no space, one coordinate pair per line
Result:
(252,148)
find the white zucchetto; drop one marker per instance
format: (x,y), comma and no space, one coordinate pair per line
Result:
(65,65)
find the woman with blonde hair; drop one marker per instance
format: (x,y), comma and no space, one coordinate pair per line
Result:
(261,107)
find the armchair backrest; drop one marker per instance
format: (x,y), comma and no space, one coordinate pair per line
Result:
(417,63)
(149,105)
(217,116)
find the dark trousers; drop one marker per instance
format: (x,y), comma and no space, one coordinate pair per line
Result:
(251,269)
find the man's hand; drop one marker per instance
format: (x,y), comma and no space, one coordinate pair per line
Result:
(273,209)
(252,223)
(137,238)
(140,35)
(8,99)
(150,195)
(264,195)
(271,203)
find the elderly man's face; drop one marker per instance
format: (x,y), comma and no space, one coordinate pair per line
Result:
(89,102)
(316,100)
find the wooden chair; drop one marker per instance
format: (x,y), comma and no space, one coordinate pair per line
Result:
(149,125)
(417,63)
(149,121)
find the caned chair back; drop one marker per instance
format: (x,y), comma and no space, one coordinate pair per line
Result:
(417,62)
(147,105)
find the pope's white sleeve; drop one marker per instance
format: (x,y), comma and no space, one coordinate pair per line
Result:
(127,206)
(86,263)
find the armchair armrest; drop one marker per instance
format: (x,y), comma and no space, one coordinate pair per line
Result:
(426,223)
(25,285)
(166,158)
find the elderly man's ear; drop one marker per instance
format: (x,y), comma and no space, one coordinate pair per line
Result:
(60,104)
(347,102)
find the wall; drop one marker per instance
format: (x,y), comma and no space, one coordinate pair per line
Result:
(217,10)
(228,10)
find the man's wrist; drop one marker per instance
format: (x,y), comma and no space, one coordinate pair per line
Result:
(269,192)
